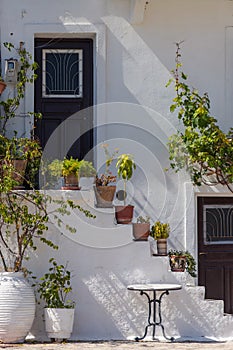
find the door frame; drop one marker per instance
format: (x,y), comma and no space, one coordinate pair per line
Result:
(191,194)
(216,258)
(97,32)
(57,110)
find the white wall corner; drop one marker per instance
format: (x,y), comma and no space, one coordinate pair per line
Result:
(137,11)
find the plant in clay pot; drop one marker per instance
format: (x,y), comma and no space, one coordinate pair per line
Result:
(181,260)
(160,232)
(87,175)
(141,228)
(68,168)
(104,188)
(22,153)
(125,166)
(70,172)
(54,288)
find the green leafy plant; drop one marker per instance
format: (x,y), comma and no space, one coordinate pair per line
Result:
(160,230)
(70,166)
(55,168)
(190,263)
(26,148)
(125,167)
(55,286)
(201,147)
(24,221)
(86,169)
(143,220)
(26,74)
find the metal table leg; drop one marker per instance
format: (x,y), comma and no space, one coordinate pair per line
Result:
(153,312)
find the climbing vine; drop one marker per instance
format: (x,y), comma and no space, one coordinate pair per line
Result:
(201,147)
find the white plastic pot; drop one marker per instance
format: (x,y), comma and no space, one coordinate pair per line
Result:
(86,183)
(17,307)
(59,323)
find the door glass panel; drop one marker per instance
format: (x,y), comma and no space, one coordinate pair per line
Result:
(218,224)
(62,73)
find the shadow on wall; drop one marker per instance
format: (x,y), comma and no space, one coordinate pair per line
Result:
(185,313)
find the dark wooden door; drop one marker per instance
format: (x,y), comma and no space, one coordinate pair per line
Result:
(215,248)
(64,88)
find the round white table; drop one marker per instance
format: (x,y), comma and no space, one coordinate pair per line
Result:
(153,312)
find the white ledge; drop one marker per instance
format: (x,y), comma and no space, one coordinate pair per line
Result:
(137,11)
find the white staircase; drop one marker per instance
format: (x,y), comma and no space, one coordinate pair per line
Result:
(107,260)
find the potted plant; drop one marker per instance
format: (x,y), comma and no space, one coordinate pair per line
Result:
(52,174)
(87,174)
(141,228)
(181,260)
(160,232)
(54,288)
(125,166)
(70,172)
(68,168)
(19,154)
(19,229)
(16,151)
(104,188)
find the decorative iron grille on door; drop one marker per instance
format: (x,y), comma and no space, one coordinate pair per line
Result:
(64,92)
(62,73)
(218,223)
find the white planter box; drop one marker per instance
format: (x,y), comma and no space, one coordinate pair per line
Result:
(59,323)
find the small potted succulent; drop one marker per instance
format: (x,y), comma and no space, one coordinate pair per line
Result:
(53,289)
(104,188)
(160,232)
(141,228)
(125,166)
(181,260)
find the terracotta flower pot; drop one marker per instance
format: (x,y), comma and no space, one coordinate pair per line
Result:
(20,167)
(104,196)
(177,263)
(71,182)
(141,231)
(18,171)
(162,246)
(124,214)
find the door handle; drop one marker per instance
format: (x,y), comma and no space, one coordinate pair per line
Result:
(202,253)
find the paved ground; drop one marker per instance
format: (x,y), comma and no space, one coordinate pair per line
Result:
(120,345)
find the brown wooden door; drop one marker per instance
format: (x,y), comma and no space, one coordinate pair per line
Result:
(63,88)
(215,248)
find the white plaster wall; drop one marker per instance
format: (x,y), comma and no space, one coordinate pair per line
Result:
(132,65)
